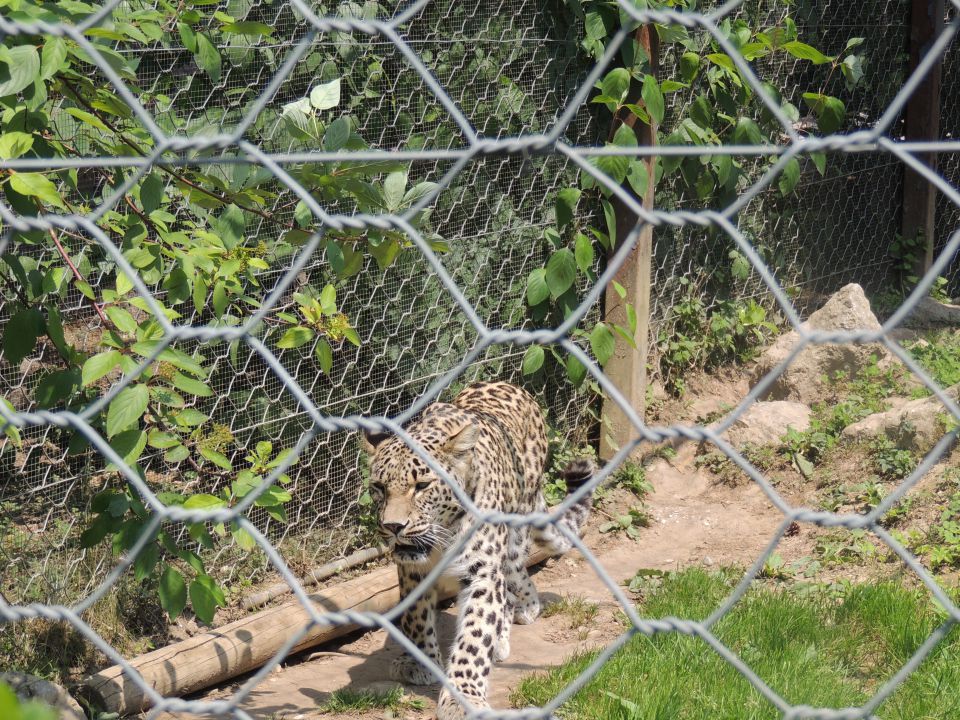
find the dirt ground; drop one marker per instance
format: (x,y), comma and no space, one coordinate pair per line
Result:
(694,521)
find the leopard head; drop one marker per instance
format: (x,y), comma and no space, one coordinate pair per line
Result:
(416,508)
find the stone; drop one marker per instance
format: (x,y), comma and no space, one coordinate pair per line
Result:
(28,687)
(930,313)
(804,379)
(914,425)
(765,422)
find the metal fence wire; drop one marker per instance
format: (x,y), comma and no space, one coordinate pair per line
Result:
(480,171)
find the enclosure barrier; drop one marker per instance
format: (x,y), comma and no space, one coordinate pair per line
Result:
(476,147)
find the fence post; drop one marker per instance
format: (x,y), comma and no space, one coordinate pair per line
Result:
(923,123)
(627,368)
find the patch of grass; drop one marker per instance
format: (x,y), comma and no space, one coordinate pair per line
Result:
(579,610)
(821,648)
(890,461)
(939,354)
(347,700)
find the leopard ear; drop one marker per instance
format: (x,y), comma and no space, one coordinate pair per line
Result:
(461,440)
(369,440)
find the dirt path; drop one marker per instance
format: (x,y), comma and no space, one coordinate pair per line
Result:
(694,522)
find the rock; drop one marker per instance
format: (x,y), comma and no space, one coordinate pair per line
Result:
(764,423)
(803,380)
(929,313)
(28,687)
(914,425)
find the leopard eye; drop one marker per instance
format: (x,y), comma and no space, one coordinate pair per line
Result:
(421,486)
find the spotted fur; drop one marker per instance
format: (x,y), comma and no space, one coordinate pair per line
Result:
(491,440)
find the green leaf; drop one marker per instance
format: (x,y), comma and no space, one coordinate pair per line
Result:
(295,337)
(173,591)
(602,342)
(176,454)
(217,458)
(747,132)
(52,56)
(326,96)
(162,440)
(129,446)
(14,144)
(806,52)
(324,355)
(127,408)
(55,387)
(146,561)
(191,386)
(615,84)
(38,186)
(204,501)
(819,161)
(689,66)
(247,27)
(243,539)
(537,290)
(532,360)
(205,596)
(208,57)
(566,205)
(188,36)
(151,193)
(122,319)
(21,333)
(561,272)
(638,177)
(328,300)
(99,365)
(21,66)
(583,252)
(336,135)
(789,176)
(653,98)
(576,371)
(394,187)
(831,118)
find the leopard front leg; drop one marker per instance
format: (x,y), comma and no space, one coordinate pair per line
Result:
(482,622)
(418,623)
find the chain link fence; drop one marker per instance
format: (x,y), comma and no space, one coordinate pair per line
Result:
(484,108)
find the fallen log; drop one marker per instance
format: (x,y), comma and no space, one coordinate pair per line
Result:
(240,647)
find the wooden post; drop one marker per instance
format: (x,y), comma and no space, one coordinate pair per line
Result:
(923,123)
(627,368)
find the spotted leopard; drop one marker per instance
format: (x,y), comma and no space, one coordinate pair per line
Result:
(491,440)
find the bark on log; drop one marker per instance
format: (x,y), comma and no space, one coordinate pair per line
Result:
(242,646)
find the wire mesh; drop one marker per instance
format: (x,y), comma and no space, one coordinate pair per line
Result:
(451,309)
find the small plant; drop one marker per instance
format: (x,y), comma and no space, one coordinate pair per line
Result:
(632,476)
(838,548)
(629,522)
(347,700)
(561,452)
(891,462)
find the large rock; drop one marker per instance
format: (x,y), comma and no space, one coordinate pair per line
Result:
(28,687)
(914,425)
(803,380)
(929,313)
(764,423)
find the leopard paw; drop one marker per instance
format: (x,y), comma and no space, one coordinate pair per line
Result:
(407,670)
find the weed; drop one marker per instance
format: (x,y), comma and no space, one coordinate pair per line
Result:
(347,700)
(891,462)
(843,547)
(776,568)
(632,476)
(561,452)
(629,522)
(939,355)
(721,465)
(579,611)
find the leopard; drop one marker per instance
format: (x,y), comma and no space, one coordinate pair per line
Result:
(491,442)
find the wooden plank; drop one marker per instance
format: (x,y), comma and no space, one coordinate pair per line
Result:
(923,123)
(627,369)
(240,647)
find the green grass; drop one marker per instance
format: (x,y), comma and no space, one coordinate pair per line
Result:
(820,648)
(347,700)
